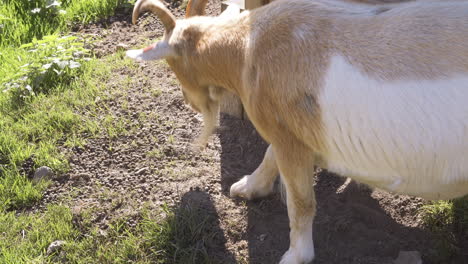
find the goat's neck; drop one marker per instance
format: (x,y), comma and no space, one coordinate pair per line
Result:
(222,53)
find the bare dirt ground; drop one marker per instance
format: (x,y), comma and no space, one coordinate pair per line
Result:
(152,164)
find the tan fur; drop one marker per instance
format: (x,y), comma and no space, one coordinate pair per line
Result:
(261,56)
(401,42)
(195,8)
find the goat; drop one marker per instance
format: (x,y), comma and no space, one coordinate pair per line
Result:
(378,95)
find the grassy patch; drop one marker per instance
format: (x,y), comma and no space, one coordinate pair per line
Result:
(34,125)
(449,222)
(173,235)
(32,128)
(22,21)
(25,238)
(169,235)
(45,85)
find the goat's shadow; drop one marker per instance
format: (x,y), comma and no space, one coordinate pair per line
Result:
(196,232)
(350,226)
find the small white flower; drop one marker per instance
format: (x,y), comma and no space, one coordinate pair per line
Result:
(78,54)
(62,12)
(74,64)
(62,64)
(36,10)
(52,3)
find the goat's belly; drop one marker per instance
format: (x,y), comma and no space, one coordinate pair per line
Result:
(431,188)
(408,137)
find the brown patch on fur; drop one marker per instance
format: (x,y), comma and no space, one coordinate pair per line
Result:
(276,46)
(409,41)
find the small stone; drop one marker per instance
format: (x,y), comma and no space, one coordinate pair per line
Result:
(55,246)
(408,257)
(141,171)
(43,173)
(103,232)
(121,46)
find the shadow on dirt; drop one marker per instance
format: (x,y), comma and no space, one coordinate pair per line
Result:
(242,150)
(198,237)
(353,223)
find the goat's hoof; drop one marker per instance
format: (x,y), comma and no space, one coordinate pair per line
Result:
(294,256)
(199,144)
(197,147)
(241,189)
(253,188)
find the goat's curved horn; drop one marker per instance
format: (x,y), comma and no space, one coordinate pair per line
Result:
(196,8)
(156,7)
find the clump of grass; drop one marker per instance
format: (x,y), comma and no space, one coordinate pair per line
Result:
(25,238)
(22,21)
(46,64)
(85,11)
(172,235)
(182,237)
(33,128)
(448,220)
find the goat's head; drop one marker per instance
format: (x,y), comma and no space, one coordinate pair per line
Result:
(180,47)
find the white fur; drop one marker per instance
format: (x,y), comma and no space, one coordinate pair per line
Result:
(408,136)
(303,251)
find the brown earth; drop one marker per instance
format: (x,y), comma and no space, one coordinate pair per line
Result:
(152,164)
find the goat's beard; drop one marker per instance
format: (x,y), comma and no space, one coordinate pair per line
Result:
(210,122)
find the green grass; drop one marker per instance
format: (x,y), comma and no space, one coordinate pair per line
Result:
(48,90)
(49,87)
(448,220)
(180,236)
(23,20)
(35,126)
(25,238)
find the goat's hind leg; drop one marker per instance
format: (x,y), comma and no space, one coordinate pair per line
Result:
(260,182)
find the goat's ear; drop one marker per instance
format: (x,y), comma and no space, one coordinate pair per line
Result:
(231,10)
(157,51)
(195,8)
(158,8)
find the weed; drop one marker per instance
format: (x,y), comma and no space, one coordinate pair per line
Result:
(53,62)
(155,153)
(448,220)
(22,21)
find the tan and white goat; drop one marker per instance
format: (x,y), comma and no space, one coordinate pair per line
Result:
(376,94)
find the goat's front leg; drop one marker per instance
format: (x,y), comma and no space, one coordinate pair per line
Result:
(296,166)
(260,182)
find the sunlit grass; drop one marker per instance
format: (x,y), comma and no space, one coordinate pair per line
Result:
(21,21)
